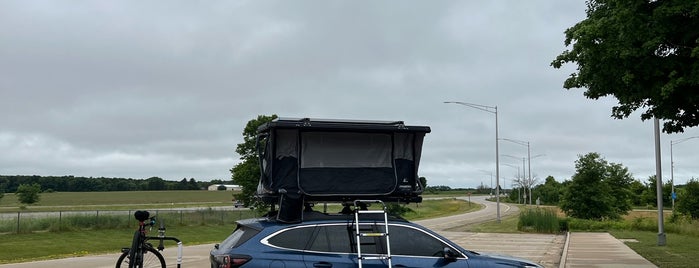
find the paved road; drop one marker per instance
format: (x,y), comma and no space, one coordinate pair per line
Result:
(488,213)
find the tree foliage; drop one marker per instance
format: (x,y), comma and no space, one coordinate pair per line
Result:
(549,192)
(28,193)
(637,189)
(619,181)
(247,172)
(101,184)
(650,196)
(688,200)
(598,190)
(423,181)
(644,53)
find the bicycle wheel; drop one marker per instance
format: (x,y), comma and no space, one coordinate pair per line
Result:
(151,259)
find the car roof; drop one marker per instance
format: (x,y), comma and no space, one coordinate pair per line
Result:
(315,217)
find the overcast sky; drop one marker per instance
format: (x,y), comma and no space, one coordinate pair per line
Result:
(164,88)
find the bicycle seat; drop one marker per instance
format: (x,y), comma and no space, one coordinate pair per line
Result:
(141,215)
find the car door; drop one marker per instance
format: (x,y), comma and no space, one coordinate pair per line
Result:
(412,247)
(332,245)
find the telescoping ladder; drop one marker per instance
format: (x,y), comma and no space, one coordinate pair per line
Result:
(360,208)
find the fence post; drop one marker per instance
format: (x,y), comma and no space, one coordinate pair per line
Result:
(181,218)
(60,220)
(97,219)
(18,215)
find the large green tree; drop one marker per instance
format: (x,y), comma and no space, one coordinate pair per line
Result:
(598,189)
(549,192)
(643,53)
(619,181)
(28,193)
(637,188)
(247,172)
(650,196)
(688,201)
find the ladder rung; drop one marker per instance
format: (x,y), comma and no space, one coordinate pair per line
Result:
(376,258)
(373,234)
(370,211)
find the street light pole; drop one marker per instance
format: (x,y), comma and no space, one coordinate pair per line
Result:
(493,110)
(659,187)
(523,177)
(529,160)
(672,168)
(519,186)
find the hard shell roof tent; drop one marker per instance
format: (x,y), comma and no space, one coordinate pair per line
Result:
(307,160)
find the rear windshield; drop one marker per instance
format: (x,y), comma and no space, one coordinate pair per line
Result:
(238,237)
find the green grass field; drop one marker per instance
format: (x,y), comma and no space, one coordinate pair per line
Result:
(679,251)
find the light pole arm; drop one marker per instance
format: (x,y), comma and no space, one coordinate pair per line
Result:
(493,110)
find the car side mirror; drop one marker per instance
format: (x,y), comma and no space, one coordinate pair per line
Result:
(449,255)
(216,246)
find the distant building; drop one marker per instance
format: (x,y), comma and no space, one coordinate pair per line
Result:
(229,187)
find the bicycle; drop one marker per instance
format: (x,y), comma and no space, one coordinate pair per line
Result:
(142,254)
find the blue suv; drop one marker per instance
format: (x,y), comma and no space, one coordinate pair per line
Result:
(329,240)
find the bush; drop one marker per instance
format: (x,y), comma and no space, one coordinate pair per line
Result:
(597,225)
(539,220)
(563,224)
(397,209)
(688,201)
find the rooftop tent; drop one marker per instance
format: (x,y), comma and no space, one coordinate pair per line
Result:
(332,160)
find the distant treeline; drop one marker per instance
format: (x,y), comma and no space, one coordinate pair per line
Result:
(9,184)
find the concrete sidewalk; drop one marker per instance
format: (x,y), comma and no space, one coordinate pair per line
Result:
(599,250)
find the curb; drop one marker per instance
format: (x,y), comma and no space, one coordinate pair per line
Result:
(564,255)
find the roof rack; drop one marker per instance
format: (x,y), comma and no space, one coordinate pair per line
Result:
(341,124)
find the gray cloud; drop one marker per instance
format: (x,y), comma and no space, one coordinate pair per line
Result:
(164,89)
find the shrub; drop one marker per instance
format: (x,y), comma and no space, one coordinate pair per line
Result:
(28,193)
(539,220)
(397,209)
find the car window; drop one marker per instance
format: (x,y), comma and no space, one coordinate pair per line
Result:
(413,242)
(295,238)
(334,238)
(340,238)
(238,237)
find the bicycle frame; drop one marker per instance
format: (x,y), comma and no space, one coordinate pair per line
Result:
(140,245)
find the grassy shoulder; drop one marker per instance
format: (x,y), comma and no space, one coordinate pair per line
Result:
(679,251)
(440,208)
(79,242)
